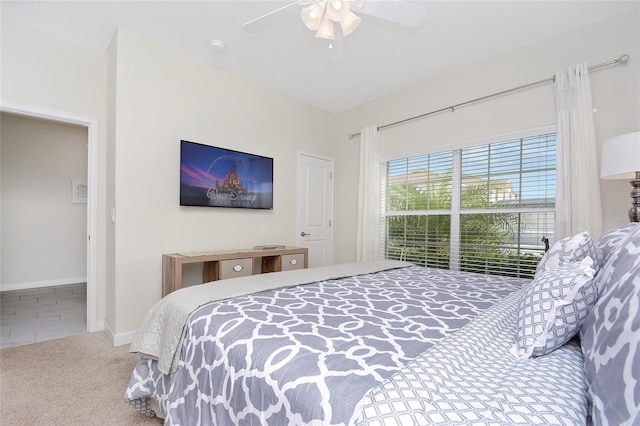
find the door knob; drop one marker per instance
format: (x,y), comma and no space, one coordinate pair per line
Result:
(304,234)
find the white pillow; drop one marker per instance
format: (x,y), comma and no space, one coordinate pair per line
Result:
(553,308)
(570,249)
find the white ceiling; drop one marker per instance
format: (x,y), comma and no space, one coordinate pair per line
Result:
(379,58)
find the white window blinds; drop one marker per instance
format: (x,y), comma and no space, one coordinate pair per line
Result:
(479,209)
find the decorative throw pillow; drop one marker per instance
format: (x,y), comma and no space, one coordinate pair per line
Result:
(610,240)
(553,308)
(568,250)
(611,338)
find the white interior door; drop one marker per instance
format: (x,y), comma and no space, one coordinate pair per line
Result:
(315,208)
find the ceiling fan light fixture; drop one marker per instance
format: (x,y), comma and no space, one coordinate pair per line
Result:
(312,15)
(325,30)
(350,23)
(337,10)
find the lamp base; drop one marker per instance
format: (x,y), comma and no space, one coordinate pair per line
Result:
(634,211)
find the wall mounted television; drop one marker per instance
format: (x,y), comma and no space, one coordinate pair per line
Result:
(218,177)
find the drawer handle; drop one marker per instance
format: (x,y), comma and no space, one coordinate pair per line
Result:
(237,268)
(294,261)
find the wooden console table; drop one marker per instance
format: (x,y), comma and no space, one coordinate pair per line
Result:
(218,265)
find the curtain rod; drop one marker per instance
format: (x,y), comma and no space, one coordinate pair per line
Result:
(621,60)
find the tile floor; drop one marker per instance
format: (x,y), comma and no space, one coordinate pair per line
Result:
(46,313)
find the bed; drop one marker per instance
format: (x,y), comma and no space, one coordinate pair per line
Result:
(390,343)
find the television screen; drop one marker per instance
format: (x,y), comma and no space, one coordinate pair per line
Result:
(219,177)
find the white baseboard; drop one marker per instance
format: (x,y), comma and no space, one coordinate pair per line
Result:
(108,330)
(118,339)
(43,283)
(123,338)
(96,326)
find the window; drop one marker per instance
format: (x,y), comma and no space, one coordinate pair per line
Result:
(481,209)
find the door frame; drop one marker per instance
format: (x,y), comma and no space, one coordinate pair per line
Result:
(92,197)
(299,154)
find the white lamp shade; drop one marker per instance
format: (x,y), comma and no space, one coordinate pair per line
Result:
(312,16)
(337,10)
(349,23)
(621,157)
(326,30)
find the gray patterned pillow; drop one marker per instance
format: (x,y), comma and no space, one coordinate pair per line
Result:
(553,308)
(610,240)
(611,338)
(571,249)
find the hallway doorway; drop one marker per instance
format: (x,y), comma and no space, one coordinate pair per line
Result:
(75,275)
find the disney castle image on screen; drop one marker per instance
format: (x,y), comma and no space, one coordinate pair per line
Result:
(219,177)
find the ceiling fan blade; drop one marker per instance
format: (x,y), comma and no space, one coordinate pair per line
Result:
(272,18)
(397,11)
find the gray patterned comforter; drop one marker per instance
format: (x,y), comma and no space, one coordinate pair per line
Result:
(308,354)
(472,378)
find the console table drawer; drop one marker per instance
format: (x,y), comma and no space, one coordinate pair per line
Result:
(221,264)
(292,261)
(236,268)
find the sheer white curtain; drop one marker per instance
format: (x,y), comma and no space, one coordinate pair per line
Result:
(367,232)
(578,205)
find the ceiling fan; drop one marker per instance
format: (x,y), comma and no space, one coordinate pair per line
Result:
(322,15)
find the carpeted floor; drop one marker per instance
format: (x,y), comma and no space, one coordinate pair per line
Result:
(76,380)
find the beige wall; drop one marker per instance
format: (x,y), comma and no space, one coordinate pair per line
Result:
(616,96)
(162,96)
(110,195)
(42,72)
(146,97)
(39,161)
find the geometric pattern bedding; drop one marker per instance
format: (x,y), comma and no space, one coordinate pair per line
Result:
(553,308)
(568,250)
(610,337)
(472,378)
(308,354)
